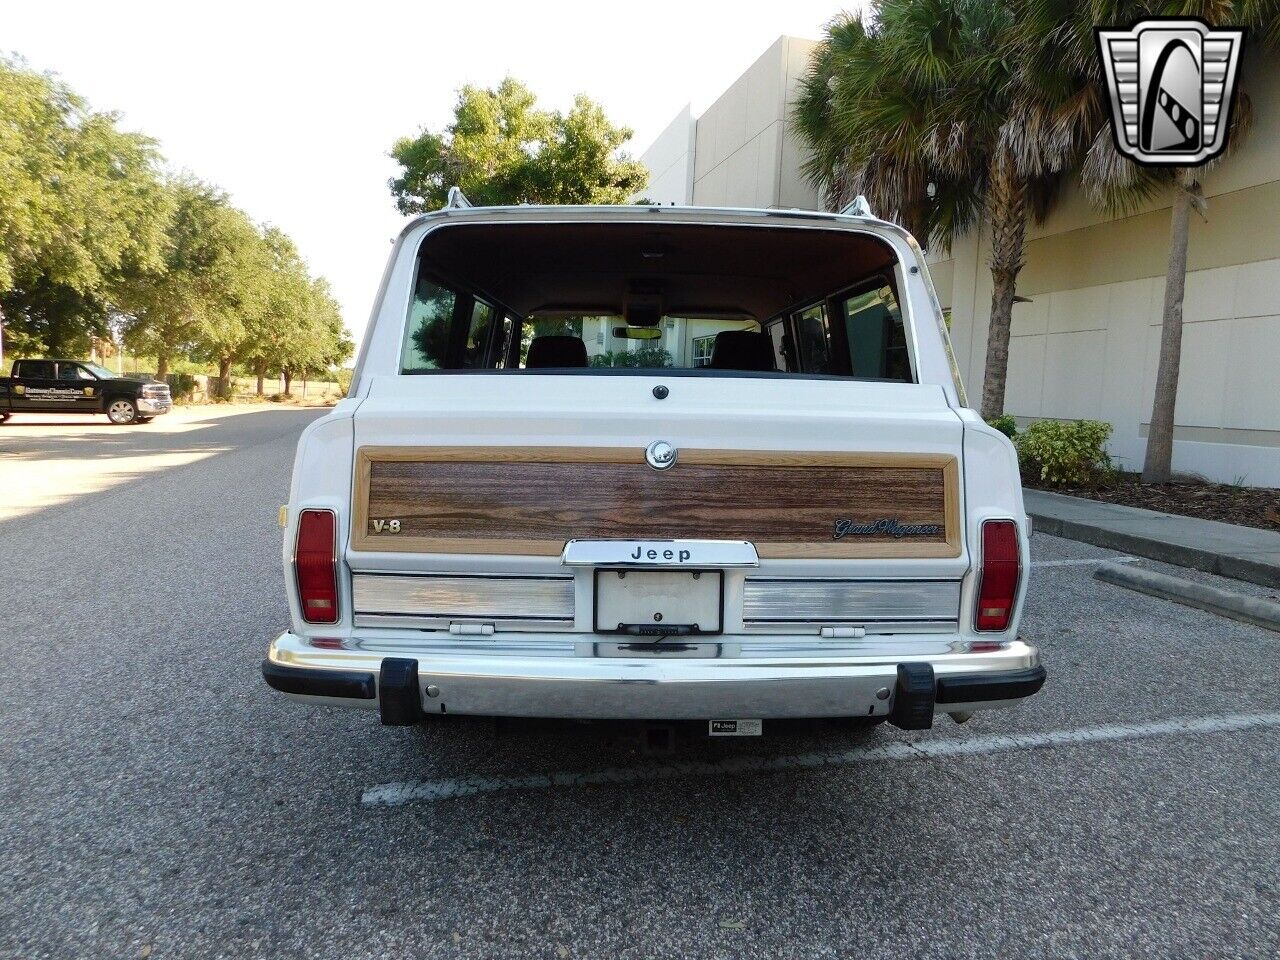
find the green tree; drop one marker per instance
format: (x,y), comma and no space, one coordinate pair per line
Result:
(1119,186)
(81,206)
(279,321)
(945,114)
(193,302)
(501,149)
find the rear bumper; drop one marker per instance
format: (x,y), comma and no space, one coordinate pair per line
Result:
(650,689)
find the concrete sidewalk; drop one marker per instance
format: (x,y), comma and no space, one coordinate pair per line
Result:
(1243,553)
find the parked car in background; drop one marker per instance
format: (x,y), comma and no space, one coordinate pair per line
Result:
(785,511)
(81,387)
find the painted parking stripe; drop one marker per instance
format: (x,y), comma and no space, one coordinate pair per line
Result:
(1097,561)
(428,791)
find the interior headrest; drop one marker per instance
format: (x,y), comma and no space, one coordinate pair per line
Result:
(742,350)
(556,351)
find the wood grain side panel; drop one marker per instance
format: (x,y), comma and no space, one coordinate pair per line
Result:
(530,500)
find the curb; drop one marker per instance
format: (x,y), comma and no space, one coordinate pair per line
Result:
(1236,606)
(1224,565)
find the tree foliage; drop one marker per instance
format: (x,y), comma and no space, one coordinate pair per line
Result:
(946,114)
(81,205)
(96,240)
(502,149)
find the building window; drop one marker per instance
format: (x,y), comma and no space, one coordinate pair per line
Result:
(702,347)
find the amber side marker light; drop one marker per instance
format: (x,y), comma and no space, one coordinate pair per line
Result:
(1001,569)
(315,564)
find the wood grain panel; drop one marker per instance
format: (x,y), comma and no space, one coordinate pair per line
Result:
(530,500)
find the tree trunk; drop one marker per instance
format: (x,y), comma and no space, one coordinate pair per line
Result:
(1007,203)
(288,382)
(1158,466)
(304,386)
(162,365)
(224,378)
(261,370)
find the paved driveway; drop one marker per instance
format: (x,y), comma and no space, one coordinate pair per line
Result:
(158,800)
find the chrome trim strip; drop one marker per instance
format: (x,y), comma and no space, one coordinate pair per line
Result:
(829,601)
(700,554)
(460,597)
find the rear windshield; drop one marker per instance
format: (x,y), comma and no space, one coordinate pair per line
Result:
(615,297)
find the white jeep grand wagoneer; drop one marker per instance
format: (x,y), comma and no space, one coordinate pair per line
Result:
(655,463)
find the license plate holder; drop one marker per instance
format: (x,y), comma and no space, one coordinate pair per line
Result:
(644,602)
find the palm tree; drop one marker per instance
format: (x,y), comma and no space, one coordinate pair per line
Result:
(944,113)
(1119,186)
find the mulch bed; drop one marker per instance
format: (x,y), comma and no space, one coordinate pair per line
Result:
(1247,506)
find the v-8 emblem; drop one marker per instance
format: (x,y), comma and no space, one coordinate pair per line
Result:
(386,526)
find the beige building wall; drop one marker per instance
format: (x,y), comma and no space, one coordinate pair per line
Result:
(740,151)
(1086,346)
(670,162)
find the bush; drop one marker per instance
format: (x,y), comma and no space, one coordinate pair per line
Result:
(1006,425)
(645,358)
(181,385)
(1064,454)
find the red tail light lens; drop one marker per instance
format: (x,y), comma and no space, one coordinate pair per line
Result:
(1001,568)
(315,563)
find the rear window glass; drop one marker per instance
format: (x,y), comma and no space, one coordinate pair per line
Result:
(875,335)
(720,300)
(426,345)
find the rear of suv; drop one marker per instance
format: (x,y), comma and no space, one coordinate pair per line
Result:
(655,463)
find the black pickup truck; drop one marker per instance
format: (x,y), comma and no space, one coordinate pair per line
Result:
(77,386)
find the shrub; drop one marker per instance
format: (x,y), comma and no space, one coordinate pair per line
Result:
(181,385)
(1006,425)
(1064,454)
(645,358)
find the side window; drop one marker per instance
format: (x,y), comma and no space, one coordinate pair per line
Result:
(876,336)
(35,370)
(426,338)
(701,353)
(479,332)
(814,344)
(778,334)
(504,341)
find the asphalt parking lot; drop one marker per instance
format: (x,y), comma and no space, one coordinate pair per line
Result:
(158,800)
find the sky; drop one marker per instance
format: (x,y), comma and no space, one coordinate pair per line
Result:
(292,108)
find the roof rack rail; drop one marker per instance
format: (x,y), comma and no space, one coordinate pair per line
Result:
(457,200)
(858,208)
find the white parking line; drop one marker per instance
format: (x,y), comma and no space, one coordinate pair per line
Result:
(419,791)
(1082,562)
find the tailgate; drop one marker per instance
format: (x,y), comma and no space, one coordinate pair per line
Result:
(804,469)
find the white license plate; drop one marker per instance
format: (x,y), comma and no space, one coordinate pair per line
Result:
(657,602)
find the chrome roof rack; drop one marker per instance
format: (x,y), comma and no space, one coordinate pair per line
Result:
(457,200)
(858,208)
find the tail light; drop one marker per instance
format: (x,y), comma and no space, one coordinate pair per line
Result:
(315,564)
(1001,568)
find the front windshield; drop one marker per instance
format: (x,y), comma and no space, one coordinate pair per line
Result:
(101,373)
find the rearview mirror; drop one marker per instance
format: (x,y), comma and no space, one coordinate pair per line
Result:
(637,333)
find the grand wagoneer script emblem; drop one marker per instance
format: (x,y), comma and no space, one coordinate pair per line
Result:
(888,527)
